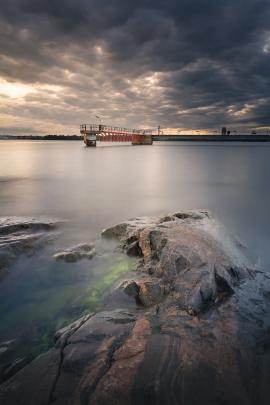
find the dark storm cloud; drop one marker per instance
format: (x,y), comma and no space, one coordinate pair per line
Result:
(186,63)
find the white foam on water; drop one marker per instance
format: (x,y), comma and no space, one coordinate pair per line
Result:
(232,245)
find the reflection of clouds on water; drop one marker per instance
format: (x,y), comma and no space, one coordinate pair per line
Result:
(10,179)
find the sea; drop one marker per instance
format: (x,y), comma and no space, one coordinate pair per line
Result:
(89,189)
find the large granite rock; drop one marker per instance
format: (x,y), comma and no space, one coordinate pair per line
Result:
(23,235)
(183,258)
(198,332)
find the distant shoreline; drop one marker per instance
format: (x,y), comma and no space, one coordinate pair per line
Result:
(41,137)
(212,138)
(156,138)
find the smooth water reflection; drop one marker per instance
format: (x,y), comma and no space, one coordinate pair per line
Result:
(94,188)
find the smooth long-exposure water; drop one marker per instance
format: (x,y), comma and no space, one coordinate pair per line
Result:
(93,188)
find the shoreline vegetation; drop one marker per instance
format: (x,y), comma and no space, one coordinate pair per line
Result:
(42,137)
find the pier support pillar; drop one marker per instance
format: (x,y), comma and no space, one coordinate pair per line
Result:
(142,140)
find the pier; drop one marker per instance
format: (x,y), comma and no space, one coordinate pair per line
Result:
(94,134)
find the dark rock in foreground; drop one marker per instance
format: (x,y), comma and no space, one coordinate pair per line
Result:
(198,332)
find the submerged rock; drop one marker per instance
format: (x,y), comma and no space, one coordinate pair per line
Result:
(62,335)
(4,346)
(11,225)
(195,337)
(76,253)
(23,235)
(13,368)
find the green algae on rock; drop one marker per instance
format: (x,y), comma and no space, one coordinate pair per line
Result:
(93,297)
(57,297)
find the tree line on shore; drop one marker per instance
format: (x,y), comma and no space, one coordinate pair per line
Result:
(44,137)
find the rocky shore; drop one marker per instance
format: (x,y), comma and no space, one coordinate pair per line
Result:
(197,330)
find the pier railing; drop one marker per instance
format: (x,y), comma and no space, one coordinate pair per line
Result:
(84,128)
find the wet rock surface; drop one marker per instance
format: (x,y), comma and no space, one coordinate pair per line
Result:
(23,235)
(76,253)
(182,257)
(146,292)
(198,332)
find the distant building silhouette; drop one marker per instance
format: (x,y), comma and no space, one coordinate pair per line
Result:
(224,131)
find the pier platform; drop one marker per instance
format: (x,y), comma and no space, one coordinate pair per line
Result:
(94,135)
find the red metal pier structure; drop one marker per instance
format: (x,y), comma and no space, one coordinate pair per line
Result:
(94,135)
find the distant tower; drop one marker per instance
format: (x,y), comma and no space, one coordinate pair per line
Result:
(224,131)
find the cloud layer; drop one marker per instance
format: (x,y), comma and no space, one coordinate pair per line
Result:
(178,63)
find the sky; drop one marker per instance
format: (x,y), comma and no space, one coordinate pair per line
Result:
(195,65)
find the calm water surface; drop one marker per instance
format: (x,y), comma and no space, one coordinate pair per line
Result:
(95,188)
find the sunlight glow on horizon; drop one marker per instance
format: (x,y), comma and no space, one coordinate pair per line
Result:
(20,90)
(14,89)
